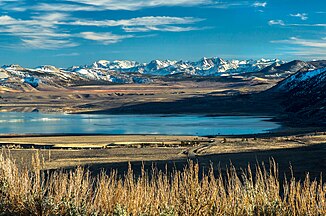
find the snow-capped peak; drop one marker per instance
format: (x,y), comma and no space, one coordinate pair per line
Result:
(47,68)
(114,65)
(13,67)
(101,64)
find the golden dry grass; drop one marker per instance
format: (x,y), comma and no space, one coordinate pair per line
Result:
(187,192)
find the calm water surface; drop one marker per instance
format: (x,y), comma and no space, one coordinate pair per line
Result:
(40,123)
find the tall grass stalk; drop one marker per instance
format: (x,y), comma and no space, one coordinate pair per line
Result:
(186,192)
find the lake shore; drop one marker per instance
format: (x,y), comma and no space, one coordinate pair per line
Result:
(199,125)
(185,97)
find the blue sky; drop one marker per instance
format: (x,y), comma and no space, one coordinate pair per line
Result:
(75,32)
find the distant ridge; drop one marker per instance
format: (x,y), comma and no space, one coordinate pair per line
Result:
(304,93)
(120,71)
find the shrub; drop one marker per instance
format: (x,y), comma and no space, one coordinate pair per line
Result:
(186,192)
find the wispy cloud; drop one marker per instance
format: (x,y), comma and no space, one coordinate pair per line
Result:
(139,4)
(40,42)
(133,5)
(67,54)
(39,32)
(228,4)
(282,23)
(64,7)
(308,25)
(321,43)
(302,16)
(7,1)
(237,4)
(12,5)
(104,38)
(160,28)
(276,22)
(47,31)
(305,47)
(130,5)
(259,4)
(145,24)
(138,21)
(312,53)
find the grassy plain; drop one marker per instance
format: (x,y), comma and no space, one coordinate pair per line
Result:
(251,191)
(307,153)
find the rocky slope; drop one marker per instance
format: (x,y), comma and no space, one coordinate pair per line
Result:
(304,94)
(284,70)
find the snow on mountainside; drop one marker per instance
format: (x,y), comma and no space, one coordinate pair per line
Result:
(304,94)
(204,67)
(120,71)
(114,65)
(47,68)
(301,78)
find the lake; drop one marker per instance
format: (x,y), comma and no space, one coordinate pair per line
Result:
(58,123)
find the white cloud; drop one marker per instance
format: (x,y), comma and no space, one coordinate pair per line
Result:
(131,5)
(145,24)
(276,22)
(226,5)
(259,4)
(309,25)
(6,20)
(40,32)
(12,5)
(139,21)
(67,54)
(302,16)
(105,38)
(282,23)
(160,28)
(64,7)
(306,48)
(40,42)
(47,31)
(139,4)
(321,43)
(308,52)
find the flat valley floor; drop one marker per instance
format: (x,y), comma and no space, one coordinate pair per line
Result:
(186,96)
(304,153)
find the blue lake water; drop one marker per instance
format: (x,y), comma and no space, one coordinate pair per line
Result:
(40,123)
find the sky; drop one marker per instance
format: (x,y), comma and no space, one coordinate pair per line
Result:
(78,32)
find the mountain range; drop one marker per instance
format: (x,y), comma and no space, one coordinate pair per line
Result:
(106,72)
(204,67)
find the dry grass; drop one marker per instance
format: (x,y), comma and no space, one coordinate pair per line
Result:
(187,192)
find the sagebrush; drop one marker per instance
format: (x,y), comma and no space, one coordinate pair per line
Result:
(187,192)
